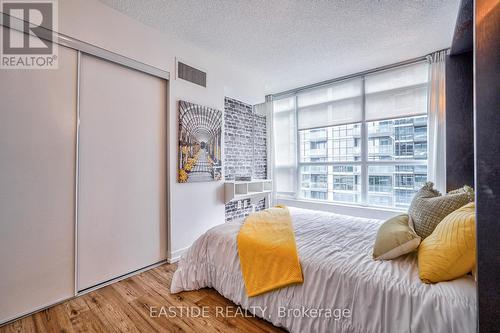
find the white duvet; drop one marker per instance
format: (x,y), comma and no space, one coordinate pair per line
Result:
(344,289)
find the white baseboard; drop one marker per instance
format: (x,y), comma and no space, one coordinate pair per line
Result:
(175,256)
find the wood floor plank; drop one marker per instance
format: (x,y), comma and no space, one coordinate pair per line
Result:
(89,321)
(159,296)
(116,301)
(113,313)
(126,306)
(75,306)
(52,320)
(233,316)
(129,289)
(26,324)
(159,285)
(143,306)
(97,313)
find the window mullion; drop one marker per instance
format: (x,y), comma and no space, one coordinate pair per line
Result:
(297,156)
(364,147)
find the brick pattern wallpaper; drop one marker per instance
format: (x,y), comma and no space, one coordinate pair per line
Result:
(245,151)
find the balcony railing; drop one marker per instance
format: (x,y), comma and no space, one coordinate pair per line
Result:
(314,185)
(316,136)
(381,133)
(316,152)
(379,189)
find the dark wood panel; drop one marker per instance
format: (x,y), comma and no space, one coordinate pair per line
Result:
(125,307)
(462,36)
(459,121)
(487,116)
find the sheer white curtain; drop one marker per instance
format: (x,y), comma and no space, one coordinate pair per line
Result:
(437,121)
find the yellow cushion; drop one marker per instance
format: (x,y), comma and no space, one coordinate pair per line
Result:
(450,251)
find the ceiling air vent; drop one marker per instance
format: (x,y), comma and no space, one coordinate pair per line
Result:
(191,74)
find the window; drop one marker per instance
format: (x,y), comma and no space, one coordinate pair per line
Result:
(318,195)
(360,141)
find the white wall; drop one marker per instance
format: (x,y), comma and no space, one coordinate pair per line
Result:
(194,207)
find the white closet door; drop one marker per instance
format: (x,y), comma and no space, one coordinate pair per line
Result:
(37,186)
(122,189)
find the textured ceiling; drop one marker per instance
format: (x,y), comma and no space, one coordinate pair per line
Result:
(293,43)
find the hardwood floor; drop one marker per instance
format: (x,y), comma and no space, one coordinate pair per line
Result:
(143,303)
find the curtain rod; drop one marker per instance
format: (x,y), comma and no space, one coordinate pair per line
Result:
(350,76)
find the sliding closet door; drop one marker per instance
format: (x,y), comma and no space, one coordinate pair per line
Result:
(122,162)
(37,186)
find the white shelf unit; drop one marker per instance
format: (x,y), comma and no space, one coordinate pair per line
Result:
(239,190)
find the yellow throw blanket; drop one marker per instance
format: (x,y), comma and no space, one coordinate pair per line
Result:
(267,250)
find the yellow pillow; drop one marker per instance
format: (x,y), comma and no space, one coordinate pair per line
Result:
(450,251)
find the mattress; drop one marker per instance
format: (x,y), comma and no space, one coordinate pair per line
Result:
(344,289)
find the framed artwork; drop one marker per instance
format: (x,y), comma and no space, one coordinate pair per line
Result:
(200,131)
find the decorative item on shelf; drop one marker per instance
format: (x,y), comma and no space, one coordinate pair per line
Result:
(200,131)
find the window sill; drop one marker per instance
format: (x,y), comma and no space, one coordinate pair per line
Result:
(344,209)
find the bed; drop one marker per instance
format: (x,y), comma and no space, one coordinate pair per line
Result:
(344,287)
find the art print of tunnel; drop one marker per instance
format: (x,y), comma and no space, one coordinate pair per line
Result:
(200,145)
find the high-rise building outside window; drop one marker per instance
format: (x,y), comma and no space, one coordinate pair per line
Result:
(360,141)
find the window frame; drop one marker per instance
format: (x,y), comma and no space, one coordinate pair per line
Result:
(364,163)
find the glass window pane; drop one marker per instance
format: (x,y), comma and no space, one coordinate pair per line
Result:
(328,121)
(340,183)
(394,185)
(396,139)
(331,144)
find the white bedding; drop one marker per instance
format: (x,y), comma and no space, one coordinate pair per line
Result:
(339,273)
